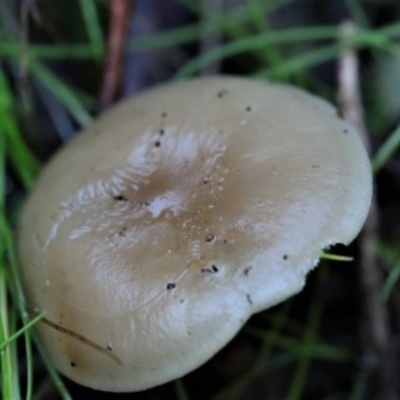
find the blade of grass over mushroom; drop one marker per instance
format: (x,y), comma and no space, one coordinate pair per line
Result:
(62,91)
(20,332)
(336,257)
(386,151)
(93,28)
(22,159)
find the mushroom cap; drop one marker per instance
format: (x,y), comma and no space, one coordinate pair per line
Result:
(152,237)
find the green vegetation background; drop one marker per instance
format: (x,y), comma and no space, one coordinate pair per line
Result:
(298,52)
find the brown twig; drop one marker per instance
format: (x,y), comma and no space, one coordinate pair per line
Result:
(374,326)
(119,22)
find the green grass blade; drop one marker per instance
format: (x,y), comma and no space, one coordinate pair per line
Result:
(357,13)
(55,376)
(19,298)
(275,363)
(9,49)
(391,281)
(311,333)
(390,30)
(14,348)
(390,256)
(300,377)
(336,257)
(164,39)
(2,180)
(295,35)
(263,360)
(181,393)
(190,33)
(9,369)
(260,21)
(319,350)
(62,91)
(360,385)
(299,63)
(180,36)
(386,151)
(13,142)
(22,159)
(256,42)
(20,332)
(192,5)
(93,28)
(176,37)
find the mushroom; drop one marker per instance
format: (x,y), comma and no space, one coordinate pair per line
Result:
(151,238)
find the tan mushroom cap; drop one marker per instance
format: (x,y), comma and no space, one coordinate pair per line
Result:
(176,216)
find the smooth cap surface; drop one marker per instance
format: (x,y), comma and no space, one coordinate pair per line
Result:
(177,215)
